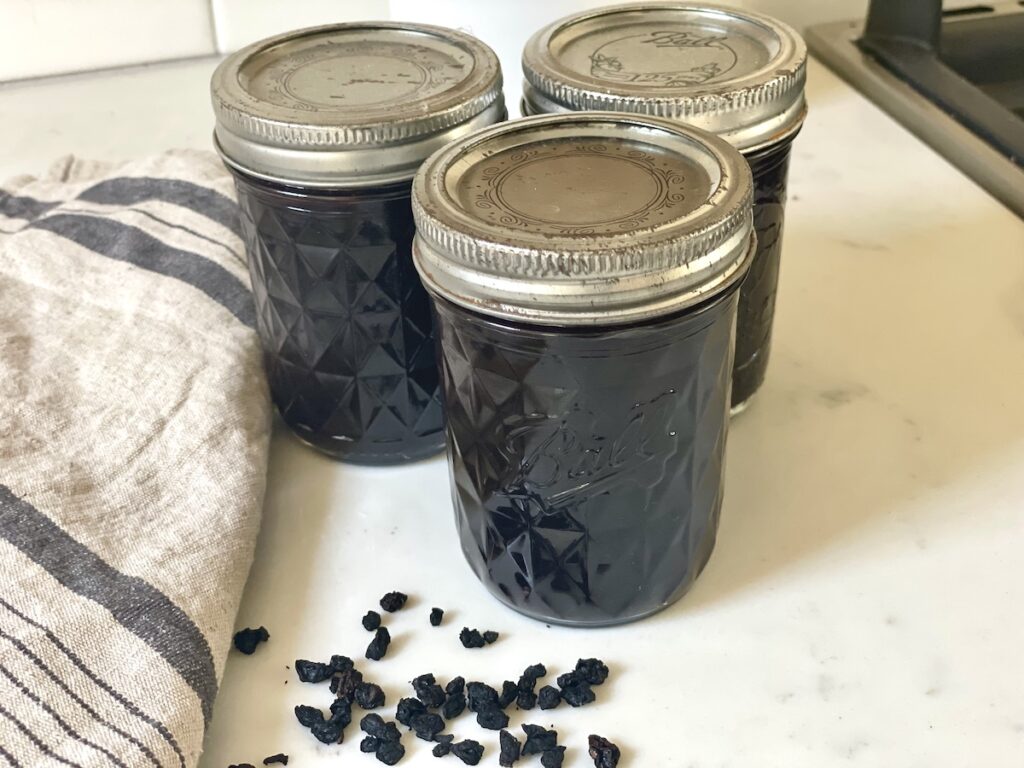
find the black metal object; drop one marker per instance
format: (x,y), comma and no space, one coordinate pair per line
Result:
(967,64)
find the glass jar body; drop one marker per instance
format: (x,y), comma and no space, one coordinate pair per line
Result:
(756,313)
(345,322)
(587,465)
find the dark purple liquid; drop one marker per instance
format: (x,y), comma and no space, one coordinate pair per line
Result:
(345,322)
(757,294)
(587,465)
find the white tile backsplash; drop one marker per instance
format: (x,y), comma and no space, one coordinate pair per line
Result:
(503,26)
(47,37)
(506,26)
(240,22)
(44,37)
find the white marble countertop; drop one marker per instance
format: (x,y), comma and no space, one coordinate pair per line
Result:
(865,603)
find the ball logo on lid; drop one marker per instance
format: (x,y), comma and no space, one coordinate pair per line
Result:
(664,57)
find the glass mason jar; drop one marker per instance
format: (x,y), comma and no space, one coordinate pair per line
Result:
(323,129)
(737,74)
(585,272)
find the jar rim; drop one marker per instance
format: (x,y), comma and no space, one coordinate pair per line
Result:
(301,107)
(735,73)
(583,219)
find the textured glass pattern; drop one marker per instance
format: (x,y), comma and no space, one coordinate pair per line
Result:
(757,294)
(587,466)
(345,322)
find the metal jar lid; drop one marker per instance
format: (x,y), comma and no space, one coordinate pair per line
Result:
(352,104)
(737,74)
(583,219)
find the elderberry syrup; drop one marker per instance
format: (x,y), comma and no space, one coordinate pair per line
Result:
(734,73)
(585,272)
(323,129)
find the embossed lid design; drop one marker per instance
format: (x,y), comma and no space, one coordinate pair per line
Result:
(352,104)
(583,219)
(735,73)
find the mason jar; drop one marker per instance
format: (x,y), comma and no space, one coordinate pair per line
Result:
(584,270)
(734,73)
(323,129)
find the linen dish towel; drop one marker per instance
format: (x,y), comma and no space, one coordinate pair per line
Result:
(134,423)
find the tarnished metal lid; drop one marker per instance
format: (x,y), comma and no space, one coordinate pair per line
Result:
(737,74)
(583,219)
(352,104)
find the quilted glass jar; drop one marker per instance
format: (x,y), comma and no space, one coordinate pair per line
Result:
(584,271)
(323,130)
(732,72)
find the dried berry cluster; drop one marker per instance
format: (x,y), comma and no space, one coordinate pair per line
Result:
(473,638)
(382,738)
(428,711)
(539,741)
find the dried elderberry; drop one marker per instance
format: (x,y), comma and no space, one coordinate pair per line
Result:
(492,719)
(328,732)
(471,638)
(468,751)
(481,697)
(390,752)
(247,639)
(312,671)
(436,615)
(575,691)
(393,601)
(549,697)
(526,700)
(308,716)
(510,749)
(341,663)
(427,725)
(369,696)
(408,709)
(442,749)
(552,758)
(528,680)
(604,753)
(344,684)
(341,712)
(428,691)
(371,621)
(538,739)
(509,692)
(454,705)
(374,725)
(378,647)
(592,671)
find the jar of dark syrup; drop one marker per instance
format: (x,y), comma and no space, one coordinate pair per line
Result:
(585,272)
(734,73)
(323,129)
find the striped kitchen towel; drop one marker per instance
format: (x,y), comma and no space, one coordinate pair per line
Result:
(134,423)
